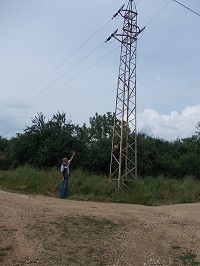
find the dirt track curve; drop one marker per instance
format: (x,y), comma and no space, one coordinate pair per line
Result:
(37,230)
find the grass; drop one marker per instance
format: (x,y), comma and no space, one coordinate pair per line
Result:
(184,257)
(30,180)
(90,187)
(189,259)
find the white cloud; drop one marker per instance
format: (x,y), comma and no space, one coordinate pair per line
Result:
(169,127)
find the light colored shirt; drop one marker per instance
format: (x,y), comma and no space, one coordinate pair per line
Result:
(65,168)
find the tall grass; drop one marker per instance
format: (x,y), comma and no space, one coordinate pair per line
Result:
(30,180)
(86,186)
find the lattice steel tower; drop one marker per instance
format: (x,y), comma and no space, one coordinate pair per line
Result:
(123,165)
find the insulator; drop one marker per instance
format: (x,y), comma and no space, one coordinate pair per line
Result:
(115,15)
(109,38)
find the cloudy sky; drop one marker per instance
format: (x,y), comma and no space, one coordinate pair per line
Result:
(53,57)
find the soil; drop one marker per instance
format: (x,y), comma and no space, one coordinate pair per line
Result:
(38,230)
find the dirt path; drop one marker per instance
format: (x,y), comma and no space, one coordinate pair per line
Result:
(37,230)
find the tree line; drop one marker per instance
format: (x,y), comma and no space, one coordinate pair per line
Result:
(46,142)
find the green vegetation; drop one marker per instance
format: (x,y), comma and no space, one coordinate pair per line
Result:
(189,259)
(29,162)
(45,143)
(91,187)
(30,180)
(184,257)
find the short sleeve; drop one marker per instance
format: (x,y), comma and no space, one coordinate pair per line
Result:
(62,168)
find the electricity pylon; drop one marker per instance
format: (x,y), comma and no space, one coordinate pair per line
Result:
(123,164)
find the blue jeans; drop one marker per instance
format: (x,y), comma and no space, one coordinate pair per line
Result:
(64,188)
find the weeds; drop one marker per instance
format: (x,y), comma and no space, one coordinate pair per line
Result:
(90,187)
(189,259)
(185,257)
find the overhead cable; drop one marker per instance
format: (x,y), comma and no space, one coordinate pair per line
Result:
(59,78)
(79,74)
(138,2)
(187,8)
(113,34)
(158,13)
(64,61)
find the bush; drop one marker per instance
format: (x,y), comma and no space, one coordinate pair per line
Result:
(87,186)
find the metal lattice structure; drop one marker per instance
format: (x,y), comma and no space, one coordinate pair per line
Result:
(123,165)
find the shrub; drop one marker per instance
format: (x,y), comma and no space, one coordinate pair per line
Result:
(87,186)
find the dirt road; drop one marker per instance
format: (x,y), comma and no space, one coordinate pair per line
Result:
(37,230)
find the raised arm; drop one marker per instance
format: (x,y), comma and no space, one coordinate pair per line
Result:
(72,157)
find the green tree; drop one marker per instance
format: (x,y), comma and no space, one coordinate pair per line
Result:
(4,146)
(44,144)
(99,142)
(189,160)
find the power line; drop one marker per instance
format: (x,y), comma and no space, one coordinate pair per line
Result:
(79,74)
(66,72)
(83,58)
(21,107)
(158,13)
(187,8)
(24,105)
(137,2)
(62,63)
(53,71)
(166,6)
(155,15)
